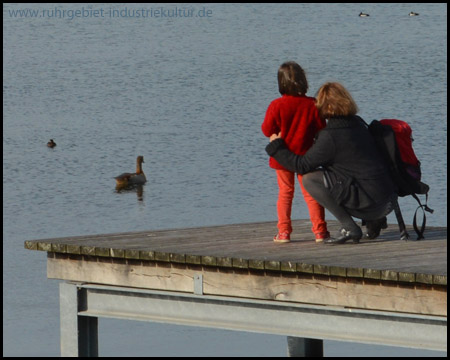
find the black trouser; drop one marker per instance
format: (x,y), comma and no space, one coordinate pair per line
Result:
(315,185)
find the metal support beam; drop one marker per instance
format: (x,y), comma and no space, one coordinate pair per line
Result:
(79,335)
(299,347)
(295,320)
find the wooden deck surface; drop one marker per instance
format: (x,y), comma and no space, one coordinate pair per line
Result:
(250,246)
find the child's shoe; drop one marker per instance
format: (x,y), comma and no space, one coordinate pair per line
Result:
(282,238)
(320,237)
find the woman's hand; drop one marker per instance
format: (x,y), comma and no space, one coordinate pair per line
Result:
(275,136)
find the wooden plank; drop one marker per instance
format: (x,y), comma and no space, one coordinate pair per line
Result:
(241,282)
(224,262)
(132,254)
(250,246)
(194,244)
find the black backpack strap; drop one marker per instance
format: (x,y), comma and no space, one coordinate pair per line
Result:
(401,224)
(424,218)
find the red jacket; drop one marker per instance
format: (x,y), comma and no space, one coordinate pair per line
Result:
(298,120)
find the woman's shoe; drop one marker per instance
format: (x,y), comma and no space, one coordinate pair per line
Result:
(354,235)
(374,228)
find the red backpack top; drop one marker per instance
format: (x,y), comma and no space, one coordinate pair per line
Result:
(403,136)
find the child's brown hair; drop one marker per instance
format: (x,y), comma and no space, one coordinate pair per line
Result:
(292,79)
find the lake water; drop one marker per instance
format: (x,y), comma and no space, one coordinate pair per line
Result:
(109,82)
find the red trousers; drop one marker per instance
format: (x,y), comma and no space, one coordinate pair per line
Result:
(286,184)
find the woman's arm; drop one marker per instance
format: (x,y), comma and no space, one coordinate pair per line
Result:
(320,154)
(278,150)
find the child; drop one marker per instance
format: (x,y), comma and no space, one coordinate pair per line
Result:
(294,115)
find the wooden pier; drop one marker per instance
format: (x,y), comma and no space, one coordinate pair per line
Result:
(385,291)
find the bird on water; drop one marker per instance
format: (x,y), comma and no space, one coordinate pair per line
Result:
(128,179)
(51,144)
(361,14)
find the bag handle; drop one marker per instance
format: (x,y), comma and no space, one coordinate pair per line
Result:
(424,218)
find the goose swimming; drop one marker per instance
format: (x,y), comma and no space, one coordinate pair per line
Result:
(137,178)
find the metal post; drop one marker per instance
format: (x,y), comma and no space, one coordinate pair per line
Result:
(301,347)
(79,334)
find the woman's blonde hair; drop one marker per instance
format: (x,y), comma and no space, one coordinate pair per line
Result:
(332,99)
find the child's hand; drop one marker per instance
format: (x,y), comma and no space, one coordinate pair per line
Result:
(275,136)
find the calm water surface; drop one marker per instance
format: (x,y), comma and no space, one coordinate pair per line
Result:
(189,94)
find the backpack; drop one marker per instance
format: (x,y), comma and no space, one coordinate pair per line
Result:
(394,141)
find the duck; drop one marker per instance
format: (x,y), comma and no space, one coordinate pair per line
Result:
(361,14)
(412,13)
(137,178)
(51,144)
